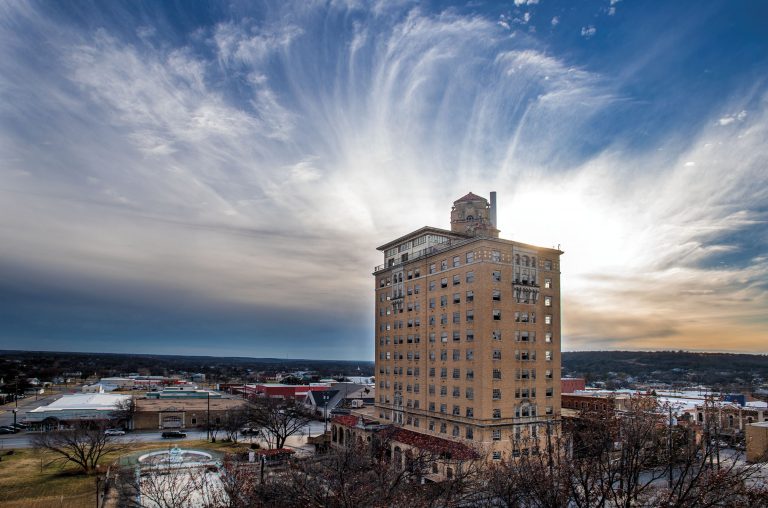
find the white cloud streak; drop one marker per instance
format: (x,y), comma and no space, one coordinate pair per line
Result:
(275,189)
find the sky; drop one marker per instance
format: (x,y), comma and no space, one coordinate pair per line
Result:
(214,178)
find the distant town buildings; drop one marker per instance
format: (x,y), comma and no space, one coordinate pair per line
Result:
(468,333)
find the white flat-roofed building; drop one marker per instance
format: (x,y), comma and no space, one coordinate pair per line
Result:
(78,407)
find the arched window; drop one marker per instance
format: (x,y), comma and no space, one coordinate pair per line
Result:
(517,259)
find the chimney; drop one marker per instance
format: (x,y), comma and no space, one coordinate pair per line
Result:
(493,209)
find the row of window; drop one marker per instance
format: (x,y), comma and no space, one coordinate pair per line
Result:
(469,317)
(496,335)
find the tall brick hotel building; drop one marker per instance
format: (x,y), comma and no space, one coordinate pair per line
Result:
(468,333)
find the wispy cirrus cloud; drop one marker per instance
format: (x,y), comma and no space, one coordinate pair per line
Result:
(233,183)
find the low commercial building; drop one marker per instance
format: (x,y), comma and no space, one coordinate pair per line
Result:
(183,413)
(282,391)
(572,384)
(757,442)
(183,392)
(70,409)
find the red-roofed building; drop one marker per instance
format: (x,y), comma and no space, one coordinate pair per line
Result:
(350,430)
(280,391)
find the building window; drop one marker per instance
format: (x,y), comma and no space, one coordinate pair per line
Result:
(548,374)
(443,426)
(444,337)
(547,283)
(496,394)
(547,301)
(548,319)
(470,316)
(470,374)
(456,318)
(470,296)
(548,337)
(443,409)
(456,261)
(456,280)
(496,373)
(497,354)
(443,264)
(496,315)
(443,301)
(470,354)
(470,257)
(443,319)
(497,455)
(470,433)
(456,297)
(431,285)
(496,413)
(495,256)
(548,356)
(432,268)
(431,388)
(443,355)
(470,336)
(496,276)
(549,392)
(496,297)
(456,355)
(470,277)
(456,373)
(496,435)
(456,336)
(417,273)
(432,425)
(456,392)
(470,393)
(444,282)
(496,335)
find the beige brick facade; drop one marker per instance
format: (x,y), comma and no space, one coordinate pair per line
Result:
(468,333)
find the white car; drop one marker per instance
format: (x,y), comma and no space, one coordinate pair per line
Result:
(114,432)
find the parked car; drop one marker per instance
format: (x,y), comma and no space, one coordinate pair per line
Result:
(20,426)
(114,432)
(249,431)
(10,429)
(169,434)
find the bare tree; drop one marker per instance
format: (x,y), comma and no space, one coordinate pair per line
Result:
(232,421)
(84,445)
(279,419)
(123,413)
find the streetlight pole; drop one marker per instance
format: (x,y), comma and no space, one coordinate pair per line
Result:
(325,413)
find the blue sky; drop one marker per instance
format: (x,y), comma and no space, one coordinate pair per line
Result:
(213,178)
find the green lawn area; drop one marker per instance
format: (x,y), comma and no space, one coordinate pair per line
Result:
(24,485)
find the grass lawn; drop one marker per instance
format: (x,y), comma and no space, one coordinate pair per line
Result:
(24,485)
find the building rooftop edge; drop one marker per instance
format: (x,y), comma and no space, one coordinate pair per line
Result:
(424,229)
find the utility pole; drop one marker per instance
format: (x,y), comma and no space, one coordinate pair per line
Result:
(208,417)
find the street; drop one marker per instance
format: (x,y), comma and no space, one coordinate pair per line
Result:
(23,438)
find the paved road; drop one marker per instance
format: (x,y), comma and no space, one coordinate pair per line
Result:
(22,439)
